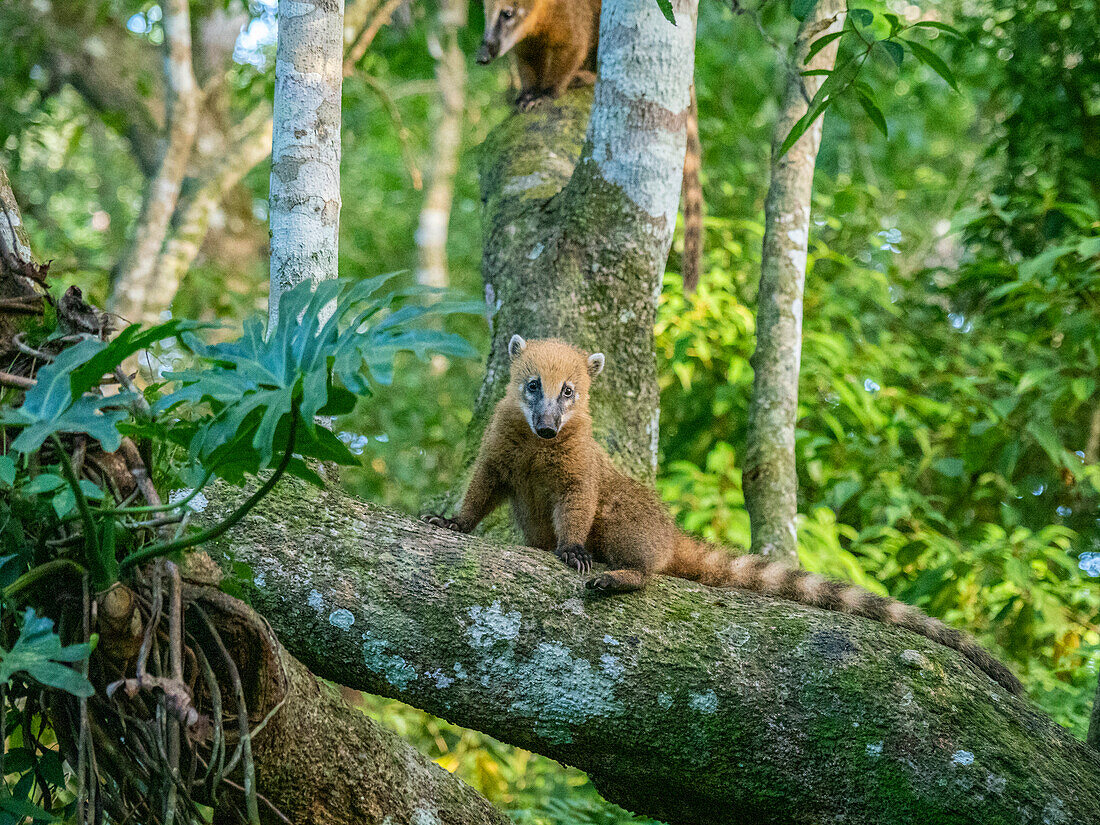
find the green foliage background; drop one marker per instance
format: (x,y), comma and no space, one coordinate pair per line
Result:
(952,318)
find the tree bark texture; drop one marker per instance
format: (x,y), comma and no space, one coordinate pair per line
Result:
(450,75)
(317,759)
(20,301)
(137,275)
(578,220)
(690,704)
(15,246)
(305,157)
(770,477)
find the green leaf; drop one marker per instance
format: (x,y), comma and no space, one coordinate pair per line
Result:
(894,49)
(90,490)
(935,24)
(929,58)
(950,467)
(24,809)
(801,8)
(43,483)
(48,408)
(804,123)
(820,44)
(254,384)
(1047,438)
(7,471)
(873,112)
(666,9)
(64,502)
(122,346)
(862,17)
(38,652)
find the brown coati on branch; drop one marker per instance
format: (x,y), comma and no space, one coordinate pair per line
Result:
(538,452)
(555,42)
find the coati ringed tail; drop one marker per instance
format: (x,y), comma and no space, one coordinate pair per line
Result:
(538,452)
(554,43)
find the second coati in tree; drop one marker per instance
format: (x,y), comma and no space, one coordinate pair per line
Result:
(555,42)
(539,453)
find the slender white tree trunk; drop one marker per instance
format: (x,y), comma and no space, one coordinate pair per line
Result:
(304,203)
(136,286)
(435,216)
(770,479)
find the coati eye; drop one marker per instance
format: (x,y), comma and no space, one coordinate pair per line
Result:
(567,391)
(507,14)
(533,385)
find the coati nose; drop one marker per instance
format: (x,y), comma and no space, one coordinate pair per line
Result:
(484,54)
(546,432)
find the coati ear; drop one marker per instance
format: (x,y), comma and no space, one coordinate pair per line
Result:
(595,364)
(516,346)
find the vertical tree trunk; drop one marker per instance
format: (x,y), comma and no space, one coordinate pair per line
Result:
(15,246)
(304,203)
(770,479)
(577,229)
(450,74)
(136,288)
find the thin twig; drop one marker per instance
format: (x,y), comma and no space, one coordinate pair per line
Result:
(367,35)
(263,799)
(245,741)
(402,132)
(17,381)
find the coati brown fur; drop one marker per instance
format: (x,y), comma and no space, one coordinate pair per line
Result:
(538,452)
(555,43)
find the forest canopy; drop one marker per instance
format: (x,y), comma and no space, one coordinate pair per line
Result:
(947,435)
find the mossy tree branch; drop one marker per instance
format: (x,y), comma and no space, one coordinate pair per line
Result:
(687,703)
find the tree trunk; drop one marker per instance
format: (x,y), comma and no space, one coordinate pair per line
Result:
(305,156)
(435,216)
(690,704)
(20,301)
(770,477)
(577,232)
(136,287)
(362,774)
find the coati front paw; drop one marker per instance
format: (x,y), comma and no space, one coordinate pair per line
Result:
(529,100)
(442,521)
(575,556)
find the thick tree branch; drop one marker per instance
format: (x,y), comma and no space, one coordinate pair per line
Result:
(318,759)
(683,702)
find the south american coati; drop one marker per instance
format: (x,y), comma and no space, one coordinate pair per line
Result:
(538,452)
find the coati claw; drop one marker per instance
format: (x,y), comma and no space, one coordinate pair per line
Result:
(529,100)
(441,521)
(601,582)
(575,556)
